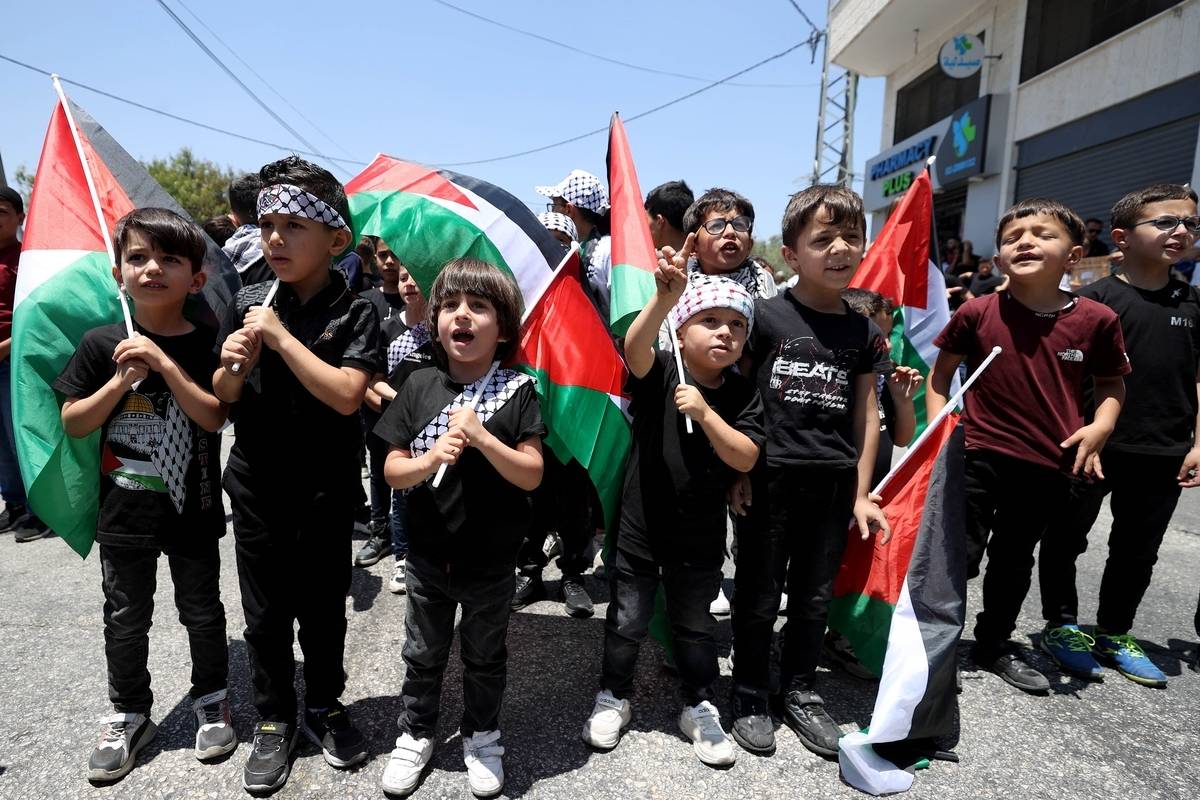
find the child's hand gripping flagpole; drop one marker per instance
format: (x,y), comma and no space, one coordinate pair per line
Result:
(951,404)
(236,368)
(441,473)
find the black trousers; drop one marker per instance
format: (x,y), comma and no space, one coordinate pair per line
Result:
(293,557)
(1145,491)
(129,576)
(1016,500)
(794,537)
(434,594)
(561,503)
(381,493)
(689,589)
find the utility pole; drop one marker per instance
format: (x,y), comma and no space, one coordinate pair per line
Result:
(833,159)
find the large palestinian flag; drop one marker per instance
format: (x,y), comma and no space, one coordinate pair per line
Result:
(431,216)
(633,256)
(580,381)
(902,605)
(64,288)
(898,266)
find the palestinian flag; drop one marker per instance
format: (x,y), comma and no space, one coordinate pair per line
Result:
(580,382)
(431,216)
(898,266)
(633,256)
(64,288)
(902,606)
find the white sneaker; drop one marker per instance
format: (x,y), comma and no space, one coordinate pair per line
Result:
(485,768)
(702,724)
(405,764)
(720,606)
(609,716)
(214,726)
(398,584)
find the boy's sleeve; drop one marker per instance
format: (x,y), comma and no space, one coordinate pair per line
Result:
(364,350)
(874,357)
(87,370)
(654,376)
(395,426)
(1108,357)
(751,419)
(959,334)
(529,416)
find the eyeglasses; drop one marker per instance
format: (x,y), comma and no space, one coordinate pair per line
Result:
(716,227)
(557,205)
(1192,224)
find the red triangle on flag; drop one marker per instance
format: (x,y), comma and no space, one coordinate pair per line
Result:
(387,174)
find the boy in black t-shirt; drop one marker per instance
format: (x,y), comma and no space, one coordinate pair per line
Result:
(483,437)
(672,527)
(814,361)
(1152,453)
(150,396)
(302,368)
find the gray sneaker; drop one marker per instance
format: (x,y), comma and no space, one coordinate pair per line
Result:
(214,726)
(121,737)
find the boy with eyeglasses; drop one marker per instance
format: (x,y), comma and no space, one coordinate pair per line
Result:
(1152,453)
(723,222)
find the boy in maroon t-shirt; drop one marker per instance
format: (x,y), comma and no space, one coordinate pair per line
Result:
(1025,432)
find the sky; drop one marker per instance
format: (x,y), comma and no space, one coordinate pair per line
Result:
(422,81)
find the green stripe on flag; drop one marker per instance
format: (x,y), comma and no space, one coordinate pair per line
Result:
(904,354)
(632,287)
(865,621)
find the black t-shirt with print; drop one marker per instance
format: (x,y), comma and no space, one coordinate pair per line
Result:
(674,503)
(390,307)
(804,363)
(475,518)
(1162,340)
(137,459)
(279,423)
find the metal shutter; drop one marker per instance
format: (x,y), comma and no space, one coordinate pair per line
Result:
(1091,180)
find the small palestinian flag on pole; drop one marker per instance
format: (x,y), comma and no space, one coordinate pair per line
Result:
(898,267)
(580,382)
(902,604)
(431,216)
(633,256)
(84,183)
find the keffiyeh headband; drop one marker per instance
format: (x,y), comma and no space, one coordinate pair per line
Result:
(284,198)
(712,291)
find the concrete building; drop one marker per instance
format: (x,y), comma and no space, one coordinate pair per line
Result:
(1082,100)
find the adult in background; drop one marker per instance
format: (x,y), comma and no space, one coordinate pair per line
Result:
(582,197)
(1093,245)
(665,207)
(16,516)
(244,246)
(986,280)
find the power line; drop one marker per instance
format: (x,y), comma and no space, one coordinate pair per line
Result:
(637,116)
(800,11)
(607,59)
(285,147)
(233,76)
(253,72)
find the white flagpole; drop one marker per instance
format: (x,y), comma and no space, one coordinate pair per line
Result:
(687,421)
(91,184)
(951,404)
(236,368)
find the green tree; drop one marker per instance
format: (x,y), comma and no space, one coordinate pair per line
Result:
(197,185)
(769,249)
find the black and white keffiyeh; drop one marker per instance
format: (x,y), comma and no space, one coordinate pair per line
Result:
(173,454)
(408,342)
(244,247)
(753,279)
(284,198)
(498,391)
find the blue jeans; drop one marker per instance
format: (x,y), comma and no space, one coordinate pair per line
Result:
(399,519)
(12,489)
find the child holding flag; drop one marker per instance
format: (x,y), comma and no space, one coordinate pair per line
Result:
(150,396)
(1025,432)
(814,361)
(295,372)
(479,428)
(672,527)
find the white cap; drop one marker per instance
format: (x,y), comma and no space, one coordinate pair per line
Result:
(579,188)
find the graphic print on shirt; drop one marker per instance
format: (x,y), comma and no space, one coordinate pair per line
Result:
(146,450)
(805,373)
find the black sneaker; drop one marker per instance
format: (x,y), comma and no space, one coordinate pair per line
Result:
(269,763)
(377,546)
(529,589)
(340,742)
(805,713)
(30,528)
(121,737)
(1012,669)
(11,517)
(753,727)
(575,597)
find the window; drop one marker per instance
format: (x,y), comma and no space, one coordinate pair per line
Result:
(931,96)
(1056,30)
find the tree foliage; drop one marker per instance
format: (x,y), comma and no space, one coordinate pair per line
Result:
(769,249)
(196,184)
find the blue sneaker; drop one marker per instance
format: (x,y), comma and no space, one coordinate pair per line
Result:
(1071,649)
(1124,653)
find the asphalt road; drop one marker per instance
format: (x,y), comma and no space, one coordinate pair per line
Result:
(1107,740)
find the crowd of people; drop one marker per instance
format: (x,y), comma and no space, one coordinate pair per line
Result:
(778,408)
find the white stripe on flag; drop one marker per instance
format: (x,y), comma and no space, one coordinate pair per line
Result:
(38,266)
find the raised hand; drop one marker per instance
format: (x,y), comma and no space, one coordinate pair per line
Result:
(671,274)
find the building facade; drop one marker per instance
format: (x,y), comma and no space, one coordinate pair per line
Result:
(1081,100)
